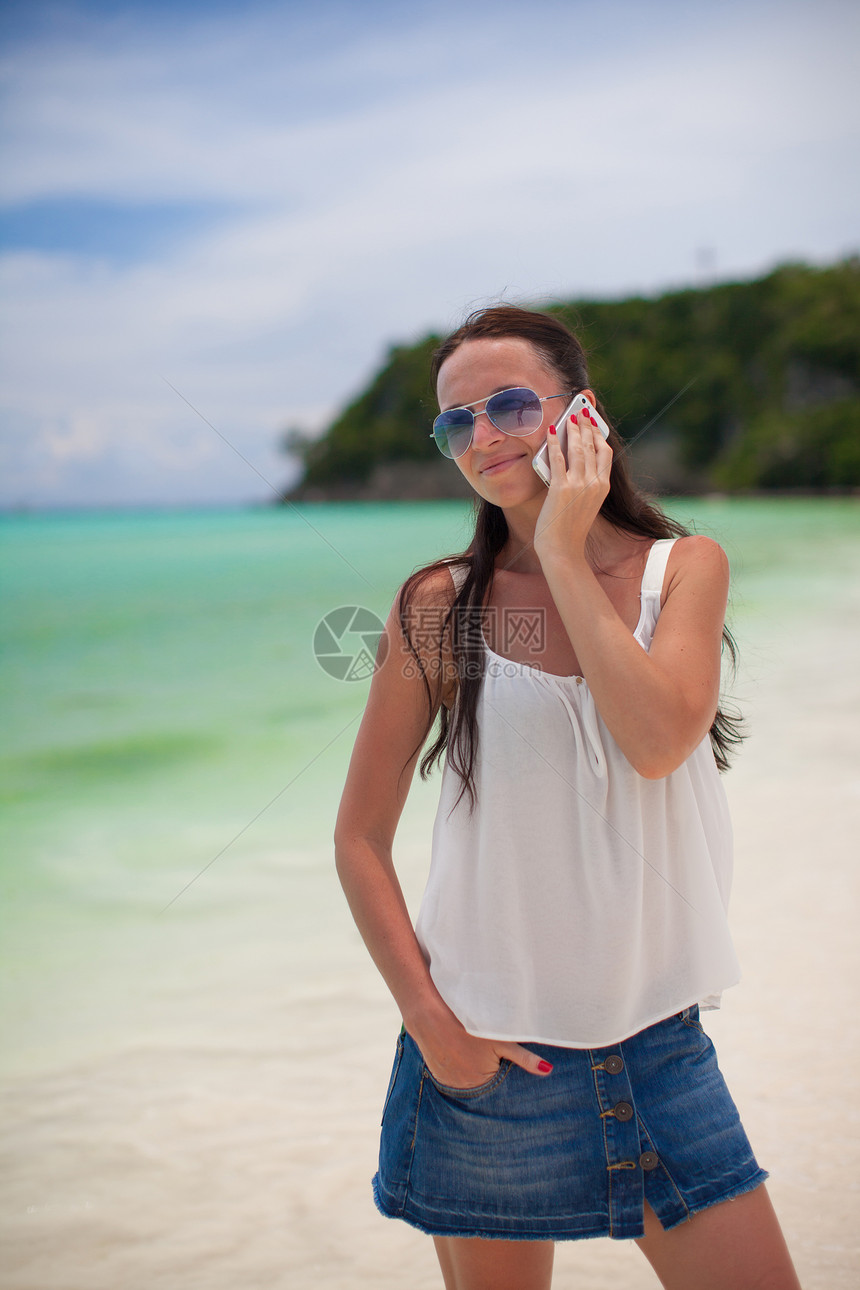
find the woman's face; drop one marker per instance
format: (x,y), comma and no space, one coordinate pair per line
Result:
(499,465)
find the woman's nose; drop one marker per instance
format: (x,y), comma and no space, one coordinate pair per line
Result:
(484,431)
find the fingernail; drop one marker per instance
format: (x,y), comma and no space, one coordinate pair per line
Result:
(544,1067)
(552,429)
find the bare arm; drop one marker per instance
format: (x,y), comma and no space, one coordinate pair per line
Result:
(380,773)
(658,705)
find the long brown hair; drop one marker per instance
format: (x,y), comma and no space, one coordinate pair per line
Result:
(625,507)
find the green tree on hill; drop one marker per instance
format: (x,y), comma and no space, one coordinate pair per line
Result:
(772,368)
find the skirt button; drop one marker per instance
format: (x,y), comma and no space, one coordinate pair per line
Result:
(649,1160)
(623,1111)
(614,1065)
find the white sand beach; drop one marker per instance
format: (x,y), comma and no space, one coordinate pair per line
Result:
(227,1138)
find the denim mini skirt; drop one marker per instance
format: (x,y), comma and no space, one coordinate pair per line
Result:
(569,1155)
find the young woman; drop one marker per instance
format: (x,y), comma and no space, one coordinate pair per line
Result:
(552,1080)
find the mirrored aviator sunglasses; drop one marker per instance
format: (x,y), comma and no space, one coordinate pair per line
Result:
(516,412)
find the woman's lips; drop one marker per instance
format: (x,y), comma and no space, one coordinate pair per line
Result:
(500,465)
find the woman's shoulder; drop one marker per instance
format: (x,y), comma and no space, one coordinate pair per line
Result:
(425,622)
(696,548)
(696,560)
(435,586)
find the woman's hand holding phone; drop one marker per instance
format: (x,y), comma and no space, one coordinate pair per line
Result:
(579,403)
(578,485)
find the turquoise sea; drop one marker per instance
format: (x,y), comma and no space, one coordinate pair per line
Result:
(173,752)
(194,1043)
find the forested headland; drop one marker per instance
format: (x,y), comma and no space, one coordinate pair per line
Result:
(739,386)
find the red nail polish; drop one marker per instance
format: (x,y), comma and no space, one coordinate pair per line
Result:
(552,429)
(545,1067)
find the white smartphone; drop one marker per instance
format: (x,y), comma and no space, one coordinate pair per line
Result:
(540,461)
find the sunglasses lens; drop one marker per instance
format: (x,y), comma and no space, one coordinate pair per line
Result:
(516,412)
(453,431)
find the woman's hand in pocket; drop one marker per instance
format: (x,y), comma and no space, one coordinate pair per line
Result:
(460,1060)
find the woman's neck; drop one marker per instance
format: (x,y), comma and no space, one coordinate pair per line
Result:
(605,546)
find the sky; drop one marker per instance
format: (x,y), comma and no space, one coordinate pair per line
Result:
(216,219)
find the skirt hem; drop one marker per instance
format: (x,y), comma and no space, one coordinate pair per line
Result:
(524,1233)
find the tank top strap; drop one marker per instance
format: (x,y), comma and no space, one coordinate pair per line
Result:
(655,566)
(459,573)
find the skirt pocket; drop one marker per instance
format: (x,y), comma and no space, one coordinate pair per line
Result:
(398,1057)
(478,1090)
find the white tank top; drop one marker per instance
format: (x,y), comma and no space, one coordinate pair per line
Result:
(579,902)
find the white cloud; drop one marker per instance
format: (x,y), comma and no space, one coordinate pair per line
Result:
(375,187)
